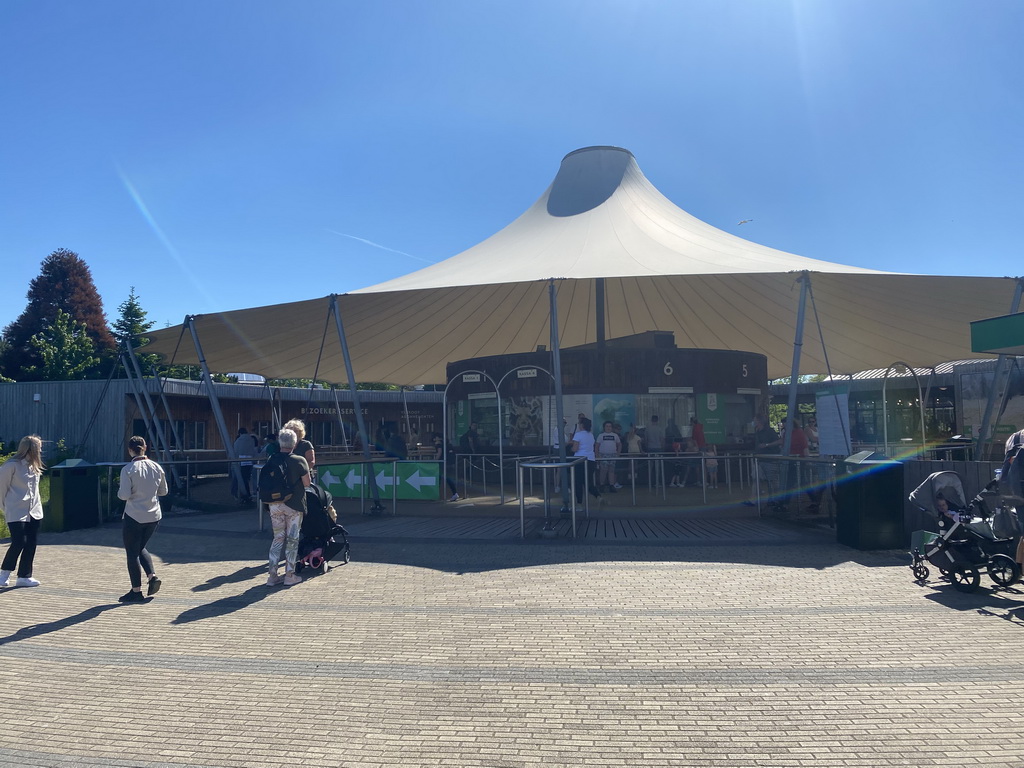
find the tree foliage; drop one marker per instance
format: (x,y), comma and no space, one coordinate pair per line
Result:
(65,349)
(132,321)
(64,284)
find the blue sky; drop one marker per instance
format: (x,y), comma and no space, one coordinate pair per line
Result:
(225,154)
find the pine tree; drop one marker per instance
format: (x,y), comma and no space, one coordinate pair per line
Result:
(64,284)
(65,349)
(131,322)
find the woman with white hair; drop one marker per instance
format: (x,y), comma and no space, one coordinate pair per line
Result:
(23,509)
(303,447)
(286,515)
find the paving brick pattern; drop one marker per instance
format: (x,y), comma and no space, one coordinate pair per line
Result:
(468,653)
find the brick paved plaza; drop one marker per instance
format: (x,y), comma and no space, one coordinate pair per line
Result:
(504,653)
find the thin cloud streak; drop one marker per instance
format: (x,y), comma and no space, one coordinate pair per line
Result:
(378,245)
(144,210)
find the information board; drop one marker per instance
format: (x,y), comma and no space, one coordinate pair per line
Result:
(833,413)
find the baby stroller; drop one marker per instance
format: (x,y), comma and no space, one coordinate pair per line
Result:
(321,539)
(971,536)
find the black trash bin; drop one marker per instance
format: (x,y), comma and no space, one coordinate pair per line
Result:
(74,496)
(869,502)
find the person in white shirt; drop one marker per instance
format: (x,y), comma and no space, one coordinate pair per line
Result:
(142,481)
(583,443)
(609,446)
(23,509)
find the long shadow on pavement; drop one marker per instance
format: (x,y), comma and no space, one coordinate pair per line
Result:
(230,538)
(225,605)
(35,630)
(1002,602)
(242,574)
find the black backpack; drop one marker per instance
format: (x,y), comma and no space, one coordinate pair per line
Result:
(274,486)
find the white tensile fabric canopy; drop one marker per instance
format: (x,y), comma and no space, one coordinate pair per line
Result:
(662,269)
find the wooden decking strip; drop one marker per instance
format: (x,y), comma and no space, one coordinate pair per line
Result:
(654,529)
(601,529)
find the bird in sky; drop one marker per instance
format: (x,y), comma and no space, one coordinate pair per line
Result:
(745,221)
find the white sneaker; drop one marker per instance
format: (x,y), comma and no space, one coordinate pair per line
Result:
(4,577)
(455,497)
(617,486)
(26,581)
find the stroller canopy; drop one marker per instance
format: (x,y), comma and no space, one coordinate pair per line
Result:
(946,485)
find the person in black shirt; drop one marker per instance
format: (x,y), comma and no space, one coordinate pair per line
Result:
(766,439)
(470,440)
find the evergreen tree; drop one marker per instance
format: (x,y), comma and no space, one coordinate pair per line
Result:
(65,349)
(3,351)
(64,284)
(132,321)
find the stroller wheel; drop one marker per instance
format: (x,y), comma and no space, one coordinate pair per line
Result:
(1003,570)
(966,580)
(346,555)
(921,572)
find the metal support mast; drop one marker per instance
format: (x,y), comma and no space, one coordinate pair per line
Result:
(376,507)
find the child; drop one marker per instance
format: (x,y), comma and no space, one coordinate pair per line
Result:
(677,467)
(711,464)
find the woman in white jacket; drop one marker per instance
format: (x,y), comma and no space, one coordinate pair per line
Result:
(23,509)
(142,481)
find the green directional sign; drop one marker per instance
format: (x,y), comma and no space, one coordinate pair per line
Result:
(414,479)
(1000,335)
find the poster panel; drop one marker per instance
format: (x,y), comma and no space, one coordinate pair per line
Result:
(711,412)
(833,422)
(618,409)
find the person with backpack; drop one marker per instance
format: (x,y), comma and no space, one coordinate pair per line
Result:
(283,483)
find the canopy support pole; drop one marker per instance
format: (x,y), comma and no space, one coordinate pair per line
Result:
(405,407)
(276,410)
(599,311)
(95,411)
(341,420)
(794,375)
(218,415)
(139,405)
(998,382)
(556,367)
(376,508)
(161,444)
(176,442)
